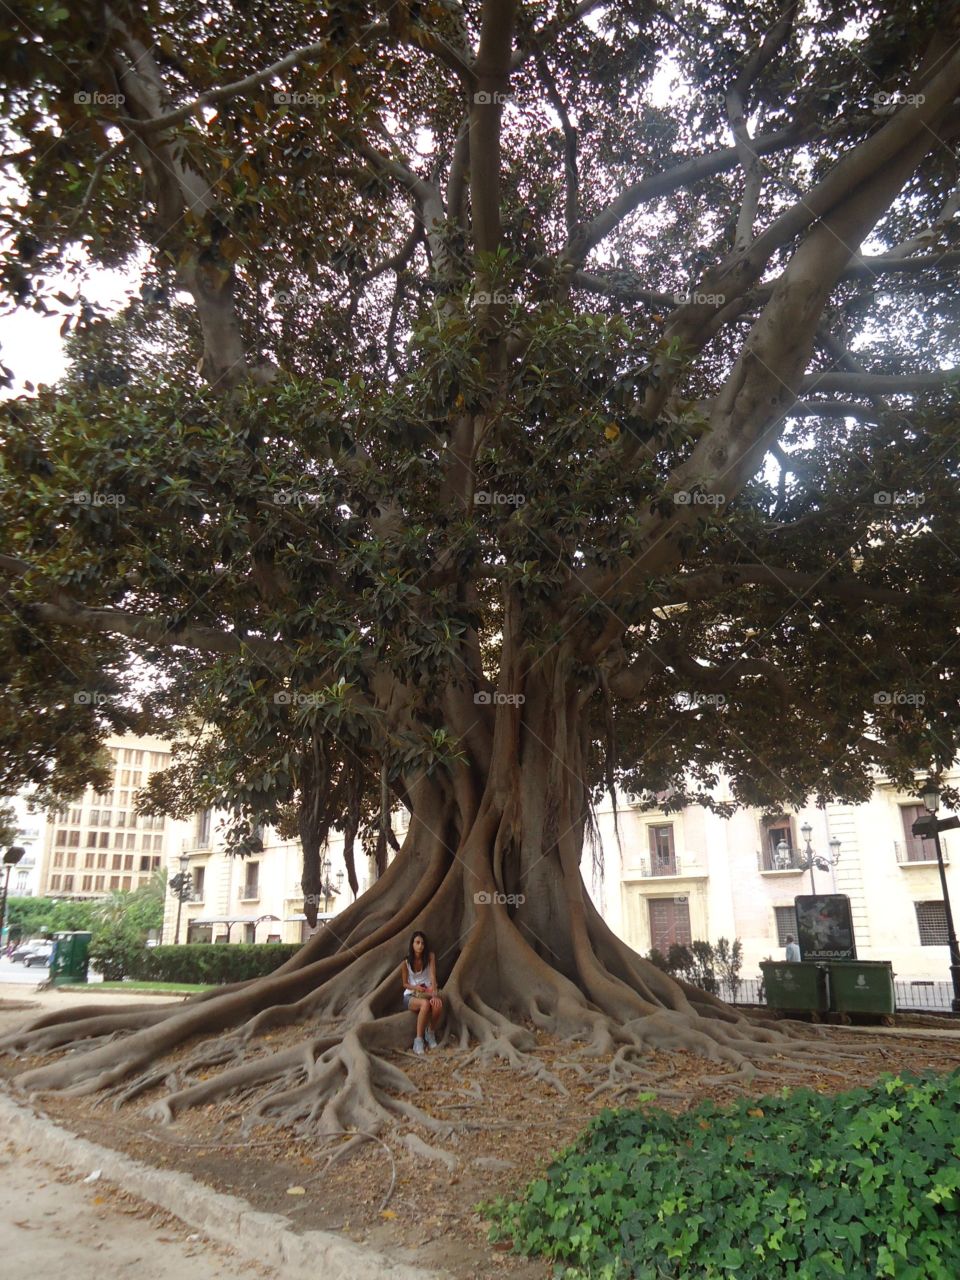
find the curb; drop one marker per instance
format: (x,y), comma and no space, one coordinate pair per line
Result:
(265,1239)
(94,988)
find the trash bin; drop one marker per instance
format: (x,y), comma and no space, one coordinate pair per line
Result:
(862,986)
(795,985)
(71,957)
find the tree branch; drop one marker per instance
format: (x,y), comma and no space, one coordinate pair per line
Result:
(707,584)
(869,384)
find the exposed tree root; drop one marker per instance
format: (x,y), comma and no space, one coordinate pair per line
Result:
(503,984)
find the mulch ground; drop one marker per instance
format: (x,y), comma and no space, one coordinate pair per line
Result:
(504,1129)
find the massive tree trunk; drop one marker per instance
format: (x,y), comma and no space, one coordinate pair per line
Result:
(490,870)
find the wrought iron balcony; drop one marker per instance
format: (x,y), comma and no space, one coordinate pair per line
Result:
(774,860)
(911,855)
(661,866)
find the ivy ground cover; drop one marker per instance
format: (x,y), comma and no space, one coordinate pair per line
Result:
(802,1185)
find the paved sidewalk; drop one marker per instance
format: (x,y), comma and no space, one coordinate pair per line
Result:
(22,1002)
(51,1221)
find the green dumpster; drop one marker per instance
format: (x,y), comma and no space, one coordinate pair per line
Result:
(862,986)
(70,959)
(795,985)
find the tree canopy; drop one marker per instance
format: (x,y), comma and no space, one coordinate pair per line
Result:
(517,398)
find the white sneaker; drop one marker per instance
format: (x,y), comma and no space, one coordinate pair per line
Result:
(418,1046)
(431,1039)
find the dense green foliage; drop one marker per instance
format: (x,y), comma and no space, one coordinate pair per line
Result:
(211,962)
(440,387)
(863,1184)
(34,916)
(115,951)
(703,964)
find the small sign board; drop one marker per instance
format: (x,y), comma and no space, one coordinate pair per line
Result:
(825,927)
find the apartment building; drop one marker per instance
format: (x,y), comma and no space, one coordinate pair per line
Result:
(258,898)
(99,843)
(694,875)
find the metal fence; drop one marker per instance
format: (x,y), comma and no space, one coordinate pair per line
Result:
(921,995)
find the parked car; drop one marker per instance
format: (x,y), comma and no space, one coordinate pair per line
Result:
(40,956)
(26,948)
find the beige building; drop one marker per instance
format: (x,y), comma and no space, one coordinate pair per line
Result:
(99,843)
(693,875)
(257,898)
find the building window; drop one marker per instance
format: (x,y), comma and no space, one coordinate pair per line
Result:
(203,828)
(118,840)
(663,858)
(91,839)
(121,818)
(61,837)
(87,884)
(669,923)
(249,933)
(251,883)
(98,883)
(144,863)
(89,859)
(68,884)
(128,862)
(94,819)
(104,839)
(126,883)
(71,859)
(131,840)
(786,918)
(919,848)
(776,831)
(73,840)
(117,861)
(101,860)
(114,882)
(932,923)
(54,883)
(199,874)
(58,857)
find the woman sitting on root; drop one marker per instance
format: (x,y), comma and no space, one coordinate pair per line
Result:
(418,973)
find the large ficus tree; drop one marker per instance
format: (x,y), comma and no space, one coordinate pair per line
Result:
(519,400)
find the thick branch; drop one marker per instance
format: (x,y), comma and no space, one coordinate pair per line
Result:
(869,384)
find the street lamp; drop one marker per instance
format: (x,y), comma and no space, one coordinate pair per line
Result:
(10,860)
(930,795)
(182,886)
(811,859)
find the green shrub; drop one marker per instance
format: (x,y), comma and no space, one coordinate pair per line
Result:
(211,962)
(801,1186)
(115,951)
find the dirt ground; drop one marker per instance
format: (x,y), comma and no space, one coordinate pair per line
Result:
(503,1129)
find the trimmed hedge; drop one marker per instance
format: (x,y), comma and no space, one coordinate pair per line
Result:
(211,962)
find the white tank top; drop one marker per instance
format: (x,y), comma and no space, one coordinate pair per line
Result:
(421,979)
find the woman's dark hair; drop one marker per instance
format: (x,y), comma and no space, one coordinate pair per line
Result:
(411,965)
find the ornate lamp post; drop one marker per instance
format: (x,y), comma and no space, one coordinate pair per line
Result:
(930,795)
(182,887)
(10,860)
(809,859)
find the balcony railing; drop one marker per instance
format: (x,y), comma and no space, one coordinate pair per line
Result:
(661,866)
(913,855)
(771,860)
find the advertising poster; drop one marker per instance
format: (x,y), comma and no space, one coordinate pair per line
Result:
(825,927)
